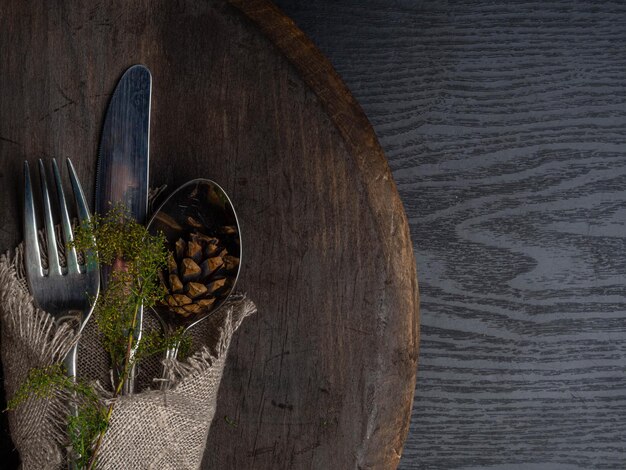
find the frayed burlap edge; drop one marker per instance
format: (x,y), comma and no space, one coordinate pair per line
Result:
(168,429)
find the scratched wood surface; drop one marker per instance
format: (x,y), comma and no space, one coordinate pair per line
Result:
(323,376)
(505,128)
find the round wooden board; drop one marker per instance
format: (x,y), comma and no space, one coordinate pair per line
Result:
(323,375)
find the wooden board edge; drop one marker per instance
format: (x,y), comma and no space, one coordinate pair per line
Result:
(362,143)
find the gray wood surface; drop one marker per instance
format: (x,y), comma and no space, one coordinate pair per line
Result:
(504,124)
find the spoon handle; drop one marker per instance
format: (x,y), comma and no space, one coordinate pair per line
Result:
(170,353)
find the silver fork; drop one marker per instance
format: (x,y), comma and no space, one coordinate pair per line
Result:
(64,292)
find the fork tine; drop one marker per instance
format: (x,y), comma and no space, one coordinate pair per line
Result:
(79,196)
(54,266)
(81,207)
(32,256)
(70,251)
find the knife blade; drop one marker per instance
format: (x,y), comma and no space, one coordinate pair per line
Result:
(123,159)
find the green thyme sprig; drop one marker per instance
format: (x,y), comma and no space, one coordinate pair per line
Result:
(91,416)
(135,258)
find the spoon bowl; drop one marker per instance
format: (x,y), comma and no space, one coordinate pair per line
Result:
(200,225)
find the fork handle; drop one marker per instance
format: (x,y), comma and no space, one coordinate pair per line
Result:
(70,369)
(70,362)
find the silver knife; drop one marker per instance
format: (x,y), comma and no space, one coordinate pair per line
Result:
(123,158)
(124,146)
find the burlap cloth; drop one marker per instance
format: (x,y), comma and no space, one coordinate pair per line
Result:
(151,429)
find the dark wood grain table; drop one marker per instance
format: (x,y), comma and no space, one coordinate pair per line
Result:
(323,375)
(505,128)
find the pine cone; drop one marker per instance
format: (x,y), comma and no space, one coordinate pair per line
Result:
(200,271)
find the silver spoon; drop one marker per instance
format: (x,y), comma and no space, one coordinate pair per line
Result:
(198,206)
